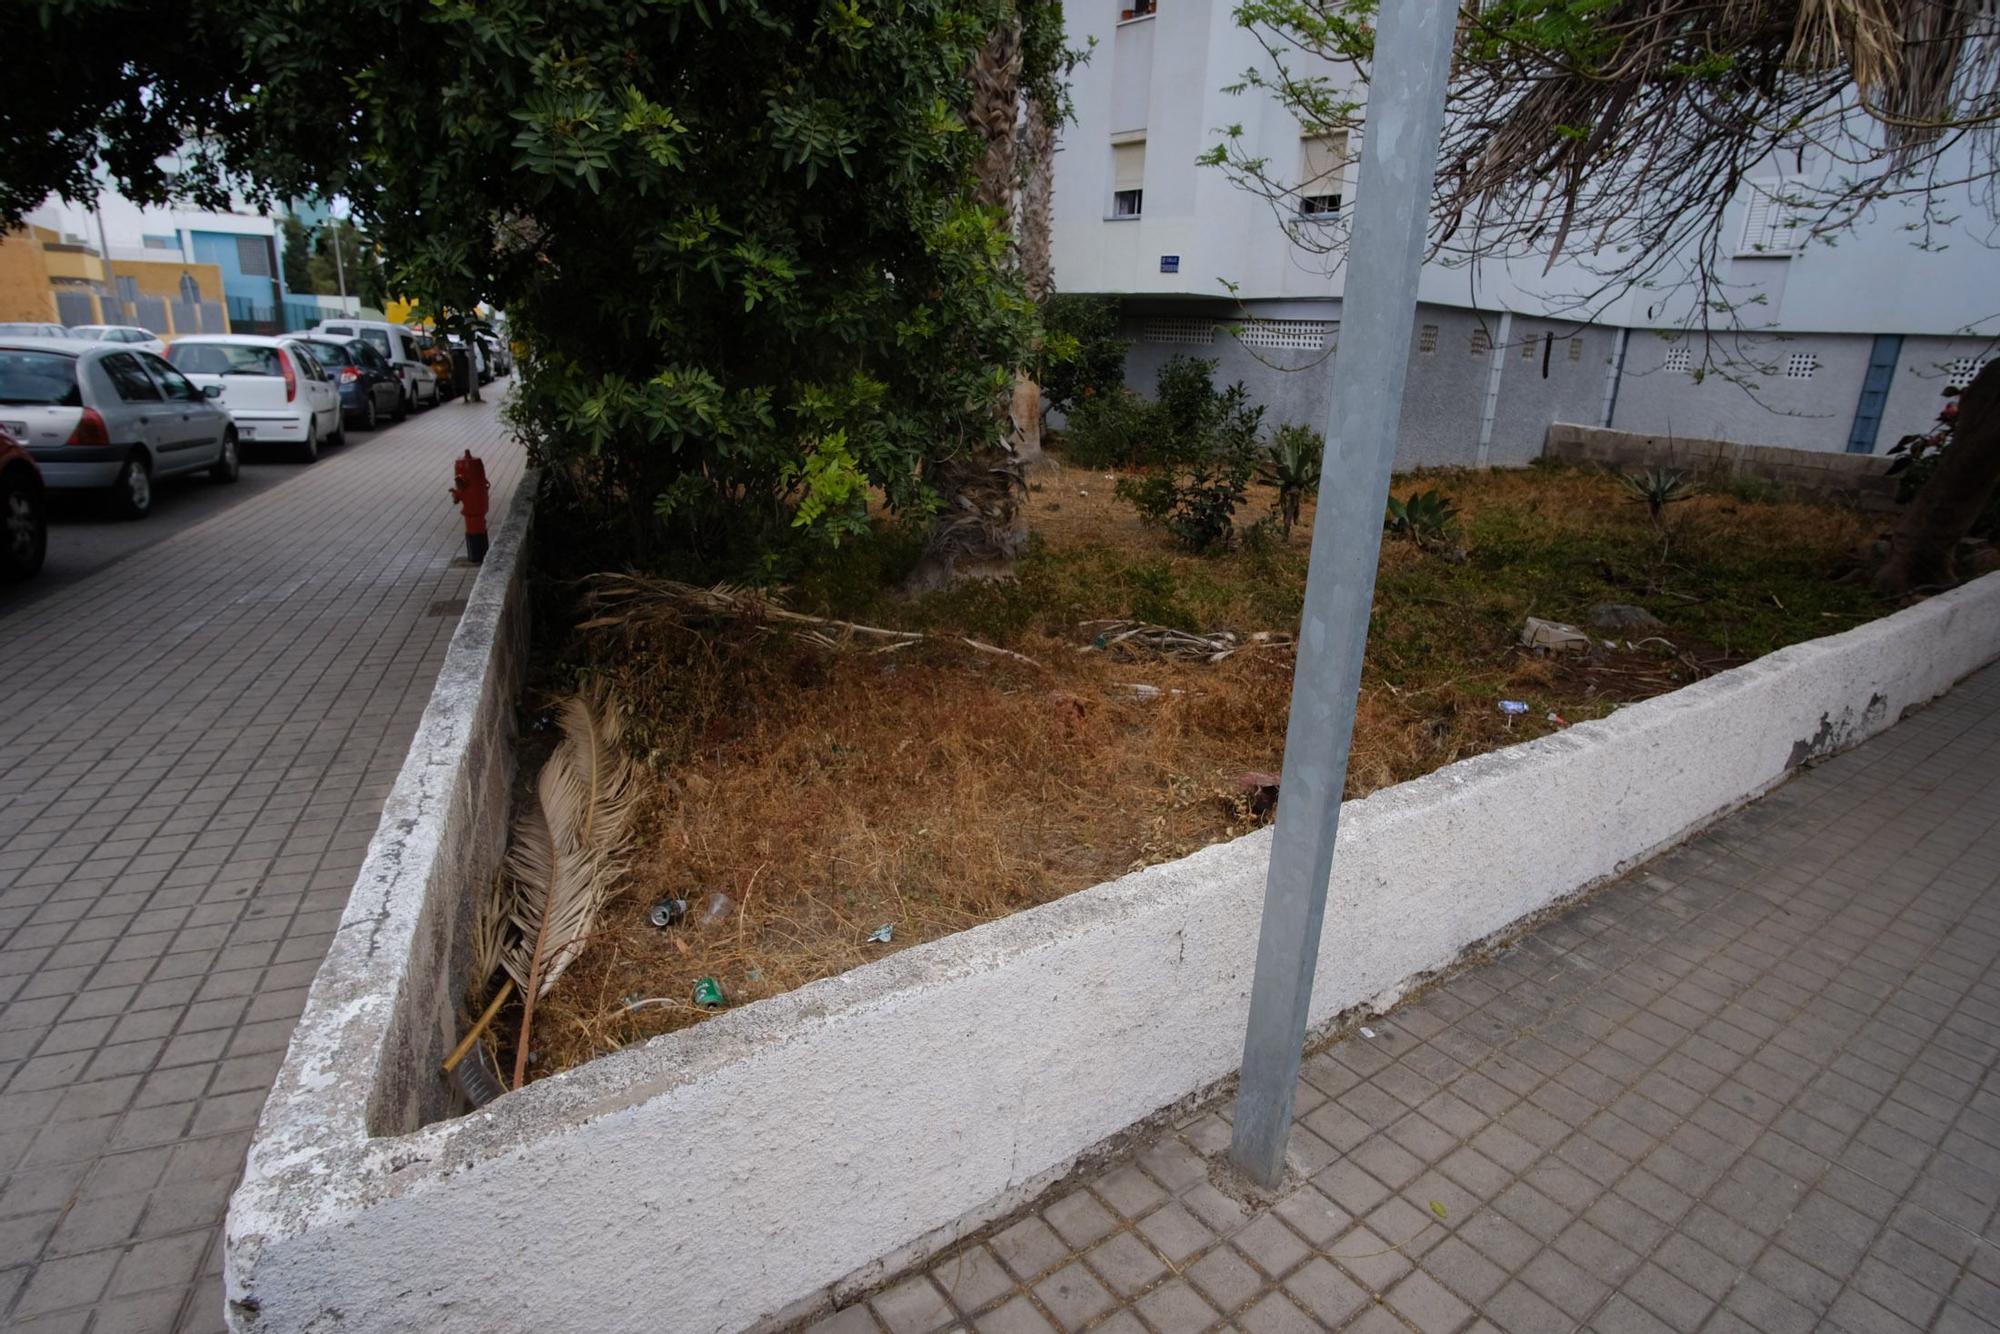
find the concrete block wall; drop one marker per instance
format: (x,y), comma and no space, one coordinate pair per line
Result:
(1861,479)
(735,1174)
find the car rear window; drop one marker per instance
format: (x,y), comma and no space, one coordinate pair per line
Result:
(223,359)
(46,378)
(377,340)
(330,354)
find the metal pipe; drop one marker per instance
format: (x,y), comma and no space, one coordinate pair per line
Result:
(1398,166)
(1496,367)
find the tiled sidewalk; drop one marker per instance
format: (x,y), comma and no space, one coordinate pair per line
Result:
(1750,1087)
(195,745)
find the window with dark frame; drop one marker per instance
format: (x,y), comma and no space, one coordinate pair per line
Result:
(1323,161)
(1128,179)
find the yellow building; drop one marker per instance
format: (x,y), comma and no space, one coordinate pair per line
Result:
(46,279)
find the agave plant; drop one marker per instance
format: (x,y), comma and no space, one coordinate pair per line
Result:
(1291,463)
(1657,489)
(1425,517)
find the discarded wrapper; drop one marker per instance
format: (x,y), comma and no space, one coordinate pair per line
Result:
(667,912)
(1556,718)
(708,994)
(881,934)
(1367,1032)
(1513,708)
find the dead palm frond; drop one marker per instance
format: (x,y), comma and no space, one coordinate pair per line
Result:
(569,849)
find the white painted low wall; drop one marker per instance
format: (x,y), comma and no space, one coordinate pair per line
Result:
(725,1175)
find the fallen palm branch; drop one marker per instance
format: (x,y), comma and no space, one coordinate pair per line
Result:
(569,848)
(627,600)
(1163,641)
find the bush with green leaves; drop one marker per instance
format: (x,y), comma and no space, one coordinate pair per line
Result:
(1082,355)
(1427,518)
(1204,451)
(1292,464)
(741,242)
(1113,429)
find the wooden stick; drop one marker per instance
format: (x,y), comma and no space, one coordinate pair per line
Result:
(492,1008)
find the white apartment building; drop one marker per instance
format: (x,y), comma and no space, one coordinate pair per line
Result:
(1846,348)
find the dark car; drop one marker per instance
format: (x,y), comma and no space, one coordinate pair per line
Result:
(369,388)
(24,520)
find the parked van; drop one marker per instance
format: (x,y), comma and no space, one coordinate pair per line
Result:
(399,344)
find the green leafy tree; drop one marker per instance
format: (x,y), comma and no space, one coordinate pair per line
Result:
(1082,354)
(742,242)
(297,256)
(1203,452)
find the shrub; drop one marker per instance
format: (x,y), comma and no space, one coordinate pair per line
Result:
(1292,465)
(1113,429)
(1082,355)
(1427,518)
(1203,451)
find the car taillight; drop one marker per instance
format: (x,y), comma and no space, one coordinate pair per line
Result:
(291,376)
(89,430)
(348,374)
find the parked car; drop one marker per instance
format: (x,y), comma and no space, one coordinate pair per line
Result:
(23,329)
(129,334)
(104,416)
(24,518)
(400,347)
(498,355)
(369,389)
(274,388)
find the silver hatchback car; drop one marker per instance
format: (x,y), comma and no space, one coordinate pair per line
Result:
(99,416)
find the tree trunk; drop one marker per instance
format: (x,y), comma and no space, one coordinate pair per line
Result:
(981,531)
(1032,248)
(1921,554)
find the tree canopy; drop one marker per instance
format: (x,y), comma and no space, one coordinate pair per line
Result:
(741,240)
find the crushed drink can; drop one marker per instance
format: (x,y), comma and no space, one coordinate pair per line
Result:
(708,994)
(1513,708)
(667,912)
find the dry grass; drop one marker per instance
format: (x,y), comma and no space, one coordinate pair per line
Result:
(932,788)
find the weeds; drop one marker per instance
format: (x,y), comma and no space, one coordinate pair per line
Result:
(1291,464)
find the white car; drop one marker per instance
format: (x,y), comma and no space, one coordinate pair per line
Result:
(398,345)
(274,388)
(131,335)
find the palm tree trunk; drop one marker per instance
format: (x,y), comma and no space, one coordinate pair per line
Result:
(980,530)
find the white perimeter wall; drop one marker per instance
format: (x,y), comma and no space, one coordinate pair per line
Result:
(737,1171)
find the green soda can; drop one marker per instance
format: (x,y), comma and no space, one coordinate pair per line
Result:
(708,994)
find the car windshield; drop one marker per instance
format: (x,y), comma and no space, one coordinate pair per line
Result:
(89,331)
(45,378)
(224,359)
(31,330)
(377,339)
(330,354)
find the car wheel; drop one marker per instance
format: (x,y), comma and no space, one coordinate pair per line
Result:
(339,436)
(229,465)
(309,451)
(132,493)
(24,530)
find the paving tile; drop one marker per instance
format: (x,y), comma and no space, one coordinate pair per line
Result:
(973,1278)
(154,846)
(1073,1296)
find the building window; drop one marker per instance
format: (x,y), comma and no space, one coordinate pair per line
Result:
(1427,338)
(253,257)
(1298,335)
(1482,342)
(160,242)
(1324,158)
(1128,179)
(1189,330)
(1138,9)
(1680,359)
(1528,350)
(1958,374)
(1772,227)
(1576,349)
(1800,366)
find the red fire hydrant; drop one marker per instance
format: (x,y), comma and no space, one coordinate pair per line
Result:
(469,490)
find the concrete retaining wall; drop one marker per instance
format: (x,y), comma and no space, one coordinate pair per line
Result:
(736,1172)
(1862,479)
